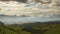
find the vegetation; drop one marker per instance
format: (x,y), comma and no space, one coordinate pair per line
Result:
(31,28)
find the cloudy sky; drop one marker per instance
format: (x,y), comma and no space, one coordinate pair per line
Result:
(12,7)
(35,11)
(16,0)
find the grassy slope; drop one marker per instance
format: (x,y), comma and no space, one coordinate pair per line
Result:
(13,29)
(54,30)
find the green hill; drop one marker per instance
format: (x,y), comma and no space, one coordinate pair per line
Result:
(31,28)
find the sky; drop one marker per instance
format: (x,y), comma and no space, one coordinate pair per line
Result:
(17,8)
(13,12)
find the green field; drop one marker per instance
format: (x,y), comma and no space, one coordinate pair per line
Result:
(37,28)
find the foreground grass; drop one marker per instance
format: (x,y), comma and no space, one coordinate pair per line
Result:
(54,30)
(32,29)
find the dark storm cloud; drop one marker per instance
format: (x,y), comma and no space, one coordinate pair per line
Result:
(24,1)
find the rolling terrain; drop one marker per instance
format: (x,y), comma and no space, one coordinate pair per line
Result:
(52,27)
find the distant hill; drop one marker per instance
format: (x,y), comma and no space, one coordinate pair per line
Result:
(53,22)
(40,23)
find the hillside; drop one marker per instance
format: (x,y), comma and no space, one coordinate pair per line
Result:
(31,28)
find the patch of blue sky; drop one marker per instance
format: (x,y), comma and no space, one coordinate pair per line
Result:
(30,5)
(44,7)
(38,6)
